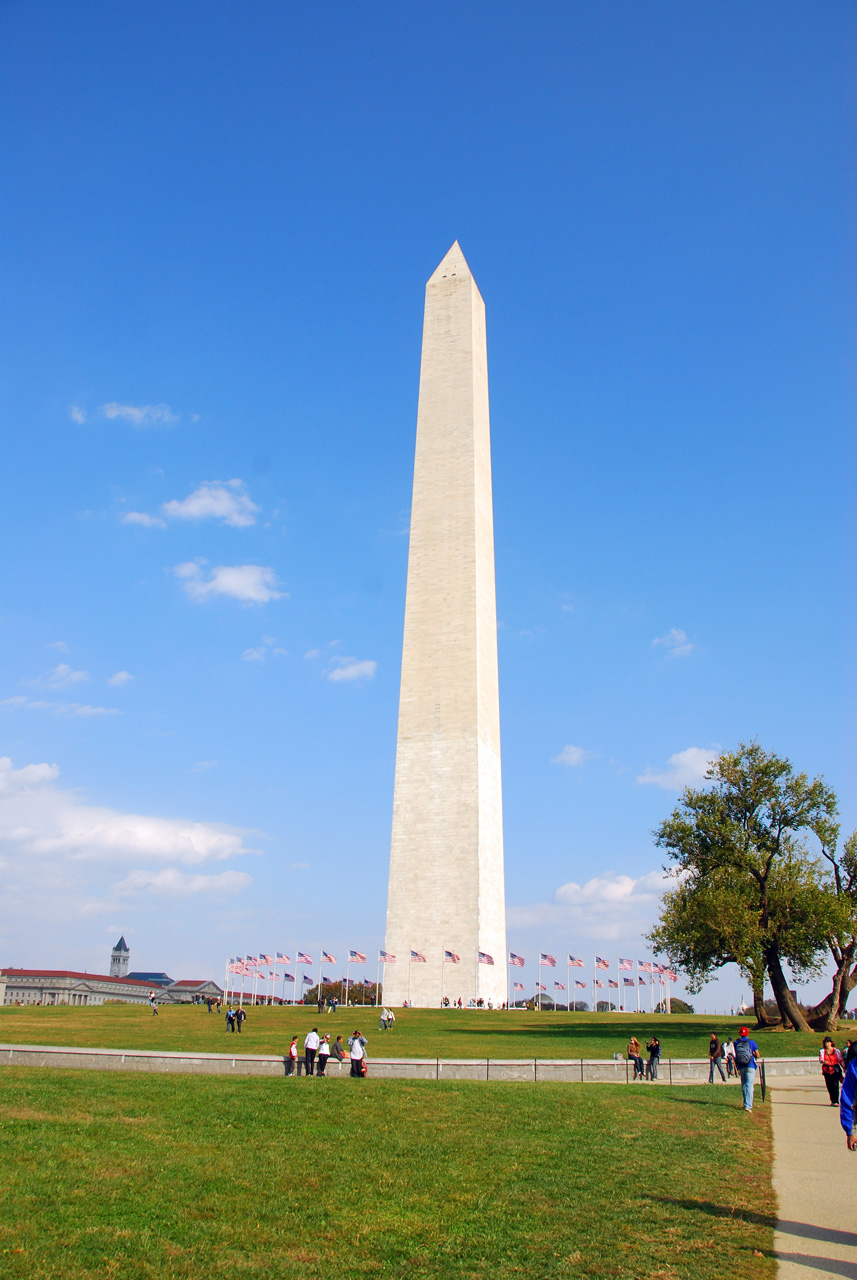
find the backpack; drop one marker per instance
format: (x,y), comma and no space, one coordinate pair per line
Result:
(743,1053)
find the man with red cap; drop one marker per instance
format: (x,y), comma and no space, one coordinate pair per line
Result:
(746,1056)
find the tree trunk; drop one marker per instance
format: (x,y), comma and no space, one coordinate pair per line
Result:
(825,1015)
(762,1019)
(786,1002)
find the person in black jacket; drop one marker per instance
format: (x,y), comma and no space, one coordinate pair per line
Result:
(653,1049)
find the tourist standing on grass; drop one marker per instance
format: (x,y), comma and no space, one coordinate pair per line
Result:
(635,1055)
(240,1016)
(729,1055)
(653,1049)
(310,1050)
(715,1056)
(746,1056)
(292,1057)
(832,1069)
(357,1053)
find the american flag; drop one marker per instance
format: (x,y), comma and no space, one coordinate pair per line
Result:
(327,958)
(484,957)
(574,963)
(612,983)
(266,959)
(601,964)
(540,987)
(348,982)
(327,982)
(386,957)
(550,961)
(357,956)
(645,966)
(559,986)
(367,982)
(288,977)
(625,964)
(282,958)
(251,960)
(451,958)
(628,982)
(673,977)
(517,986)
(581,986)
(597,983)
(517,961)
(304,978)
(419,957)
(642,981)
(303,958)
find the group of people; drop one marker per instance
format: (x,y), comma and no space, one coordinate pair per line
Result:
(318,1050)
(649,1070)
(720,1052)
(387,1019)
(235,1018)
(834,1063)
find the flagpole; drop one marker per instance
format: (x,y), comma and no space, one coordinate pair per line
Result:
(567,985)
(318,984)
(241,997)
(378,979)
(295,983)
(442,974)
(409,977)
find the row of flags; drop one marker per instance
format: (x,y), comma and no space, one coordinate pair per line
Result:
(574,962)
(248,965)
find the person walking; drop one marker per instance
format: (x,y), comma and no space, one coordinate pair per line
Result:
(746,1056)
(383,1025)
(292,1057)
(653,1049)
(729,1055)
(323,1055)
(240,1015)
(230,1019)
(850,1052)
(310,1050)
(357,1053)
(635,1055)
(715,1058)
(831,1068)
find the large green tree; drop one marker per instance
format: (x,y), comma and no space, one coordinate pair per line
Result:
(750,888)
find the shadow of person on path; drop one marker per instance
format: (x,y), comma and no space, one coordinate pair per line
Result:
(718,1210)
(830,1266)
(809,1232)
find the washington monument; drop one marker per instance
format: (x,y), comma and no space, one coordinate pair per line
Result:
(446,910)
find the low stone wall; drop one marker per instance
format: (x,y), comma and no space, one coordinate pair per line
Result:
(522,1070)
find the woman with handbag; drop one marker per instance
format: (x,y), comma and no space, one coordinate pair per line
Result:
(832,1069)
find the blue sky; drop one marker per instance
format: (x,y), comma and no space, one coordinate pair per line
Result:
(218,223)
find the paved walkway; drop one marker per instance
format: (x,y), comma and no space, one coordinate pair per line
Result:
(815,1178)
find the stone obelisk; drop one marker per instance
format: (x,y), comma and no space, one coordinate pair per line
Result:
(446,890)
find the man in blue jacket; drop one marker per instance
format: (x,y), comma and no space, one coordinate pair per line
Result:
(746,1056)
(846,1104)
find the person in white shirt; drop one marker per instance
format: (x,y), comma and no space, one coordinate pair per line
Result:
(323,1055)
(310,1050)
(357,1052)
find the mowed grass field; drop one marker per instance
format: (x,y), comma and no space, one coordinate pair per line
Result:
(418,1033)
(134,1177)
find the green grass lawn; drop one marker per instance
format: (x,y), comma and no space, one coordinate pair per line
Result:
(418,1033)
(138,1177)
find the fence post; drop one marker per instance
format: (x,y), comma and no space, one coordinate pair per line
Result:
(670,1061)
(626,1071)
(535,1071)
(581,1071)
(437,1068)
(487,1065)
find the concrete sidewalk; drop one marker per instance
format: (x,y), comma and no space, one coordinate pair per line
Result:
(815,1179)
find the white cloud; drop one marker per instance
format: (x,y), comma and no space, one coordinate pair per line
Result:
(180,884)
(254,655)
(250,583)
(120,678)
(59,708)
(141,517)
(142,415)
(38,819)
(675,642)
(606,908)
(264,650)
(59,645)
(353,669)
(313,653)
(214,499)
(77,414)
(685,769)
(572,756)
(63,677)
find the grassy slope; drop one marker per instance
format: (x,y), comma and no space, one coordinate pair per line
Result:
(137,1177)
(420,1033)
